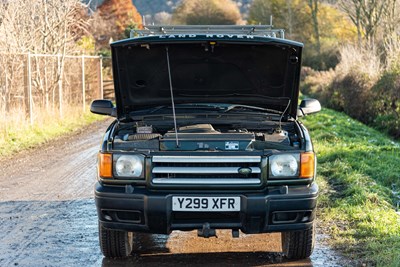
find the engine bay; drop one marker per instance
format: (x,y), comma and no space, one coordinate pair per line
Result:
(207,137)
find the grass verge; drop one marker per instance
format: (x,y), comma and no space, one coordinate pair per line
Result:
(358,172)
(16,134)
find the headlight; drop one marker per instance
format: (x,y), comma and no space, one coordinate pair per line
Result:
(284,165)
(129,166)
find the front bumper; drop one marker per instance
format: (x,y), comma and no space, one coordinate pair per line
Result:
(138,210)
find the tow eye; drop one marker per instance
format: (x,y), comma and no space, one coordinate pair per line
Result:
(206,231)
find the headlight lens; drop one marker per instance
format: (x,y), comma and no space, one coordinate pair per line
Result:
(129,166)
(284,165)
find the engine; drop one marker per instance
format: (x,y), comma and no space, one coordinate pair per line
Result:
(204,137)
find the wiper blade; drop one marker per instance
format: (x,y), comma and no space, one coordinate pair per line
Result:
(244,107)
(272,99)
(156,109)
(200,105)
(153,110)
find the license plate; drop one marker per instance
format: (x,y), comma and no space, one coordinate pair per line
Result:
(205,203)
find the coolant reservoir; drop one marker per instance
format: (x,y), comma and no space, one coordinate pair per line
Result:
(281,137)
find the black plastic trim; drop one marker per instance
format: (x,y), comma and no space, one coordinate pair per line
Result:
(157,216)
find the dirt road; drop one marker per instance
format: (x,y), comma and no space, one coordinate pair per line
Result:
(48,218)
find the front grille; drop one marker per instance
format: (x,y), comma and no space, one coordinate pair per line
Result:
(203,170)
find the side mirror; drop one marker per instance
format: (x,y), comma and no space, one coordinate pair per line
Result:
(103,107)
(308,106)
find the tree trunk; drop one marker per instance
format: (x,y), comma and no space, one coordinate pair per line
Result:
(290,18)
(313,4)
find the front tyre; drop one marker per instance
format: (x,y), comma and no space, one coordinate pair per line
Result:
(115,244)
(298,244)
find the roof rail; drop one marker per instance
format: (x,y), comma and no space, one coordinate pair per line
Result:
(260,30)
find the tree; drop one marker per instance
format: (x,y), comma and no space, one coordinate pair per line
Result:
(321,27)
(366,16)
(42,27)
(116,16)
(390,36)
(291,15)
(220,12)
